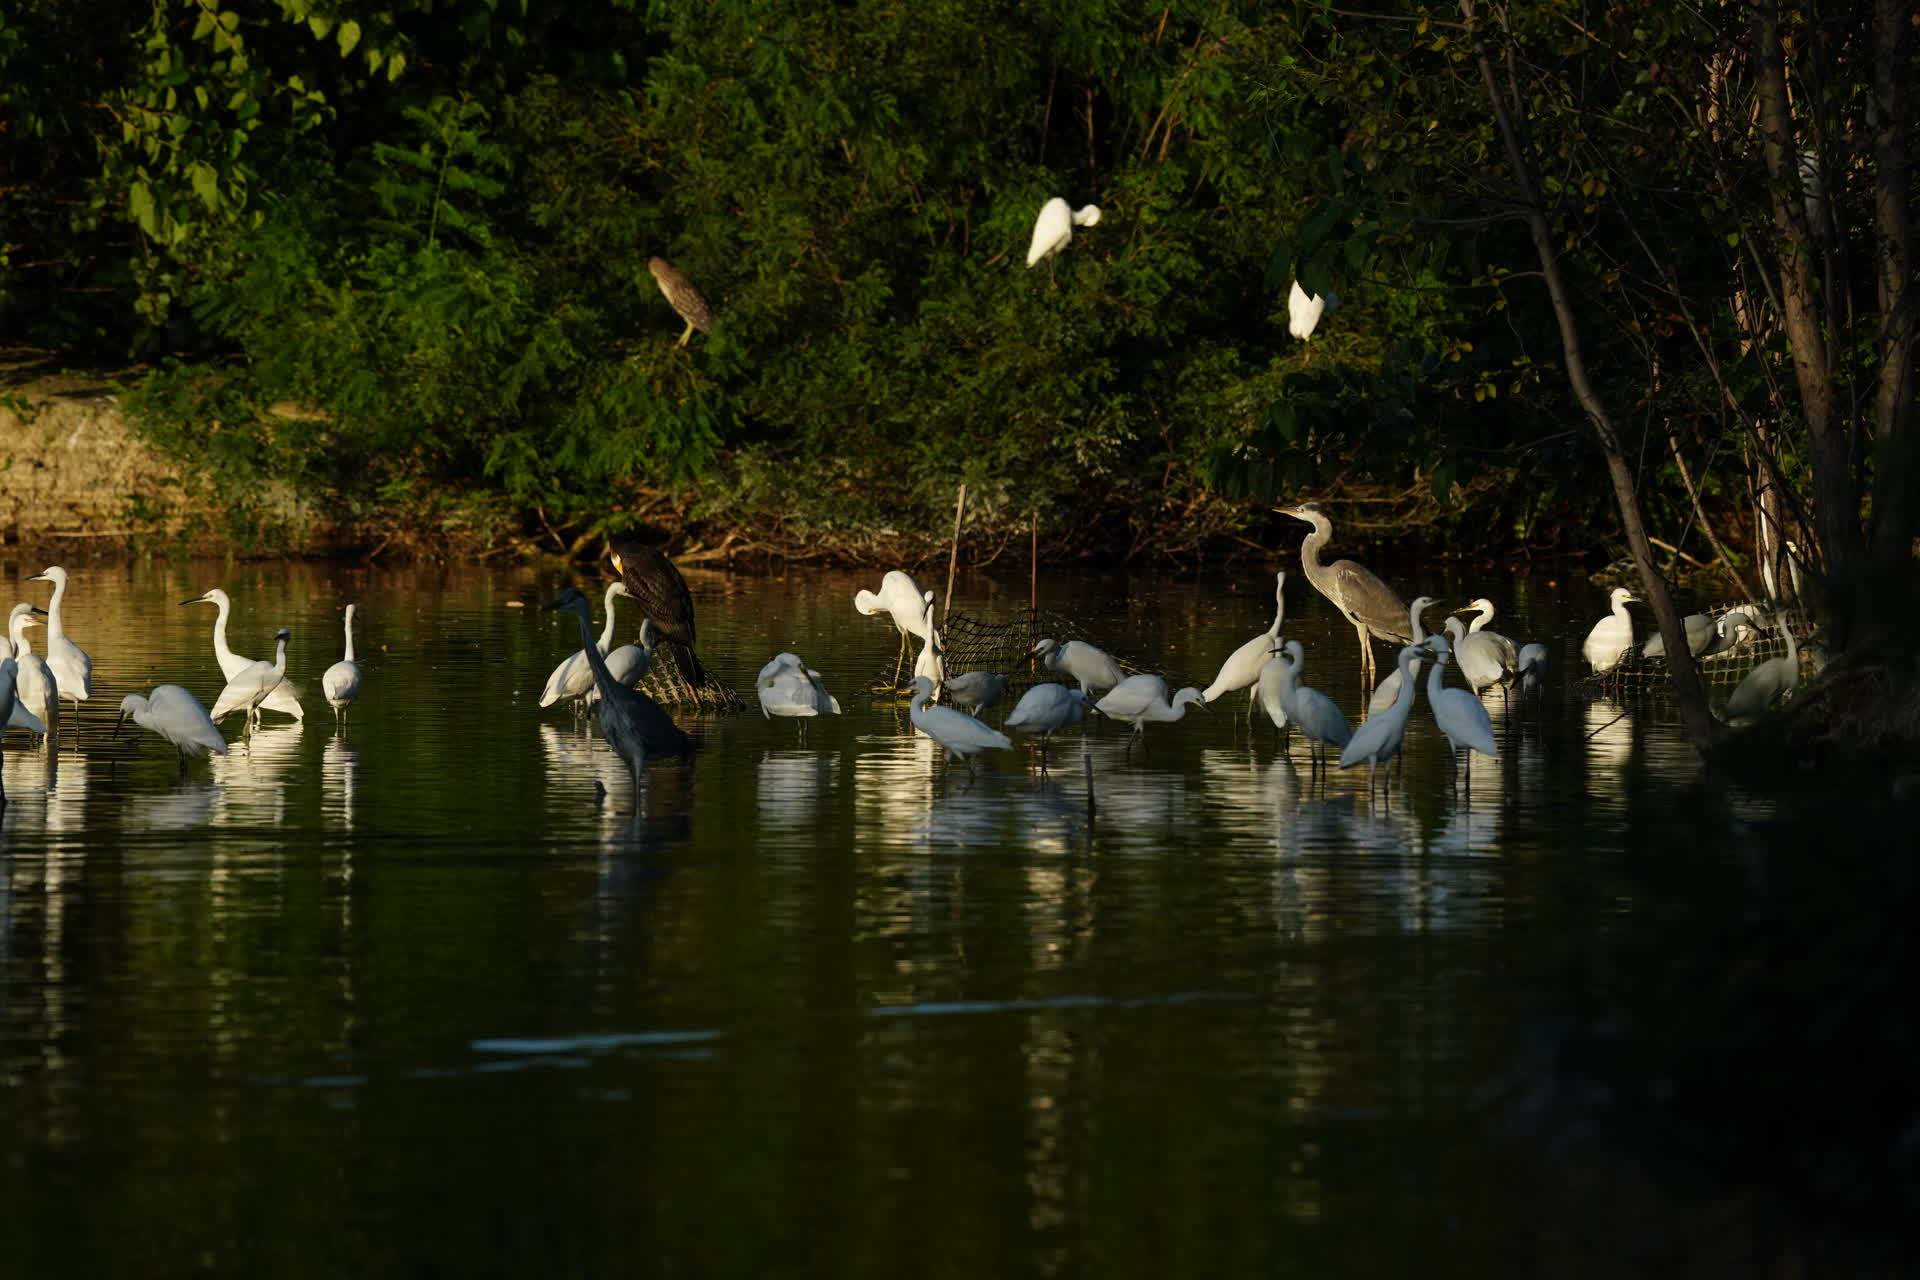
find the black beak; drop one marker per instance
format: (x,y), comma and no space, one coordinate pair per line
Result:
(42,612)
(115,735)
(195,600)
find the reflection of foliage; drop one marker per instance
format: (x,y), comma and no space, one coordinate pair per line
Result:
(1753,1033)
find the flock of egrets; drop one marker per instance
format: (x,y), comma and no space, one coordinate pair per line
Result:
(603,681)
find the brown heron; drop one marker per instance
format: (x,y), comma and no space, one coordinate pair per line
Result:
(685,298)
(1362,599)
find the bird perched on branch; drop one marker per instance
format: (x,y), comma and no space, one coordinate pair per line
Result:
(652,580)
(1053,229)
(685,298)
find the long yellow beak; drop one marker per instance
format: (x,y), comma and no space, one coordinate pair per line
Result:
(617,566)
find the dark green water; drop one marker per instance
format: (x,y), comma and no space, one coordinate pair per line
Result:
(410,1000)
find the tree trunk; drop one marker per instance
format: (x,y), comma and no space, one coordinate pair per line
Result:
(1689,693)
(1896,465)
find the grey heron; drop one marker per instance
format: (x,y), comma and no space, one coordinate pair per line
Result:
(1367,603)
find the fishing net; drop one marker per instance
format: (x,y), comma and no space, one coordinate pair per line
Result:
(1723,670)
(666,686)
(1005,645)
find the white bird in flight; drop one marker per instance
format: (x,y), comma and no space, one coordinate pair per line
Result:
(1303,312)
(1053,229)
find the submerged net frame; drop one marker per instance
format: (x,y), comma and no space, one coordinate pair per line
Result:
(666,686)
(1005,645)
(1640,674)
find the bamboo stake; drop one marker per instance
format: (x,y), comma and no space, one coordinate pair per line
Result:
(953,556)
(1033,570)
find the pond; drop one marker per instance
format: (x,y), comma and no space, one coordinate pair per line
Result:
(412,996)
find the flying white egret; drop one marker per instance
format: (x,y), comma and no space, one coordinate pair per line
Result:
(901,599)
(633,724)
(1053,229)
(1766,684)
(1242,668)
(1367,603)
(1532,667)
(1141,698)
(573,678)
(1083,662)
(975,691)
(1388,691)
(341,681)
(248,687)
(1378,741)
(1045,709)
(286,695)
(1612,636)
(788,687)
(1477,655)
(958,733)
(36,689)
(1303,311)
(72,668)
(1461,717)
(177,716)
(1311,711)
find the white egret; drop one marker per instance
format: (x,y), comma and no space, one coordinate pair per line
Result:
(788,687)
(1311,711)
(1388,691)
(901,599)
(248,687)
(1483,611)
(341,681)
(932,660)
(36,688)
(177,716)
(1053,229)
(286,696)
(1271,691)
(1378,741)
(1367,603)
(958,733)
(1459,714)
(72,668)
(1091,666)
(1242,668)
(8,671)
(1303,311)
(1612,636)
(633,724)
(1047,708)
(975,691)
(629,664)
(573,678)
(1141,698)
(1766,684)
(1477,656)
(1706,635)
(1532,667)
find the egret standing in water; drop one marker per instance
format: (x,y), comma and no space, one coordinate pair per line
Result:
(1378,741)
(788,687)
(1612,636)
(975,691)
(1045,709)
(71,666)
(572,680)
(177,716)
(958,733)
(1532,667)
(1477,655)
(633,724)
(1053,229)
(1459,714)
(1141,698)
(1311,711)
(341,681)
(1367,603)
(1242,668)
(8,671)
(1706,635)
(1766,684)
(36,688)
(1388,691)
(286,695)
(901,599)
(248,687)
(629,663)
(1076,658)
